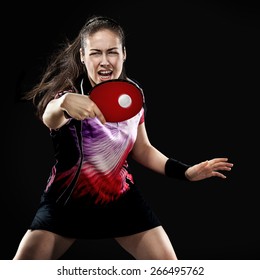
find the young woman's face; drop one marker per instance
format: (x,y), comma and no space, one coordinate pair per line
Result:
(103,56)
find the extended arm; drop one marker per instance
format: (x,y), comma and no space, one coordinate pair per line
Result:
(146,154)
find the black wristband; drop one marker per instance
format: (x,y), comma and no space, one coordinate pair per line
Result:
(176,169)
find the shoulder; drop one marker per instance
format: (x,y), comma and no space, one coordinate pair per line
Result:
(134,82)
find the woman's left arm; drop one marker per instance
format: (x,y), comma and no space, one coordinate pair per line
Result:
(146,154)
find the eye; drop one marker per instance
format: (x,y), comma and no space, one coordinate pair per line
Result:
(95,53)
(113,52)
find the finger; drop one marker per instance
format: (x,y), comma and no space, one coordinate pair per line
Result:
(223,166)
(218,174)
(217,160)
(99,115)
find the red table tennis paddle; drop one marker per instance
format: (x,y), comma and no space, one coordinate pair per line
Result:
(118,100)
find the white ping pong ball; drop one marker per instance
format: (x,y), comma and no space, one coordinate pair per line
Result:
(124,100)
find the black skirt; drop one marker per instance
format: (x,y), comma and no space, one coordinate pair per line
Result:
(128,215)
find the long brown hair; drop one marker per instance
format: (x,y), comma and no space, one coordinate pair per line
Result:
(64,67)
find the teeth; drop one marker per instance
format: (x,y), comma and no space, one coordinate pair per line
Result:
(105,72)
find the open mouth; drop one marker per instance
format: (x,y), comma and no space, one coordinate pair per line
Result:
(105,75)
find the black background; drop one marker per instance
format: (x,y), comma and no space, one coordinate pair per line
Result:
(198,63)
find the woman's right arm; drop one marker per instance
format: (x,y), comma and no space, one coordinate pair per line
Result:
(53,116)
(77,106)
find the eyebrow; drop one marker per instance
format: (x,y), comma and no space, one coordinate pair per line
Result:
(114,48)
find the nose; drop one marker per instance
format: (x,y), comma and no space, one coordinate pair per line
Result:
(104,61)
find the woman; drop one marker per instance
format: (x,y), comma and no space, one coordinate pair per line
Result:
(91,192)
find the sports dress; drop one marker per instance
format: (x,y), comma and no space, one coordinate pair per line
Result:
(91,192)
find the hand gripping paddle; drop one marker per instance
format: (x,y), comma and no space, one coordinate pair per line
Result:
(118,100)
